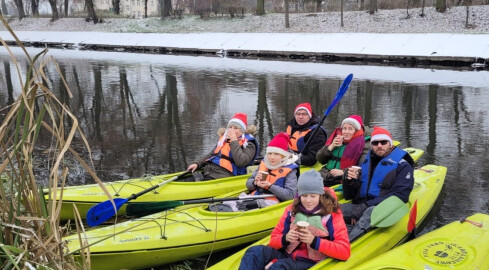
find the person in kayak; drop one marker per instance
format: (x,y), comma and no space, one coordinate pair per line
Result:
(291,246)
(386,171)
(277,174)
(300,129)
(344,148)
(235,150)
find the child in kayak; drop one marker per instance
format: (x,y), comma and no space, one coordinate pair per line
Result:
(344,148)
(235,150)
(277,174)
(293,248)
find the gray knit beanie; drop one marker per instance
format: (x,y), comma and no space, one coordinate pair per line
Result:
(310,182)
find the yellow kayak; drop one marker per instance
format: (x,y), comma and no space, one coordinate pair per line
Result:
(184,232)
(86,196)
(428,184)
(458,245)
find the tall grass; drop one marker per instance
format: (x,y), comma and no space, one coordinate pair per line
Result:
(30,229)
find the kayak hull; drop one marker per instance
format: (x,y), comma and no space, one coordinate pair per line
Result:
(428,185)
(86,196)
(456,245)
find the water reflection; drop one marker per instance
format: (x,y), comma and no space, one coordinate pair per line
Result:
(156,114)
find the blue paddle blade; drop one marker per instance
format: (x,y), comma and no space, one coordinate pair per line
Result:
(103,211)
(340,93)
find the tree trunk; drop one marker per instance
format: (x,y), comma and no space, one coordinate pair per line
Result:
(422,9)
(287,25)
(165,12)
(318,5)
(145,8)
(441,5)
(20,9)
(260,7)
(66,8)
(54,10)
(407,9)
(34,6)
(373,6)
(342,2)
(117,7)
(467,2)
(91,11)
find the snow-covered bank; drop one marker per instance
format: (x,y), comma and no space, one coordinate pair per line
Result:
(436,47)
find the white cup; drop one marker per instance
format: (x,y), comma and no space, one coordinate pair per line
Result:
(357,169)
(301,225)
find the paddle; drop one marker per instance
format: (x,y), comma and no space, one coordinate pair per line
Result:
(105,210)
(337,98)
(143,209)
(386,214)
(412,220)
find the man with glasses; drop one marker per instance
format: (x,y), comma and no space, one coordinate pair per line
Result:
(300,129)
(387,171)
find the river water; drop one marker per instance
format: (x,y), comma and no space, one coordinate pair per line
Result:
(155,114)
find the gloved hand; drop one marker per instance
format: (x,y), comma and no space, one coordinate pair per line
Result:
(357,211)
(247,205)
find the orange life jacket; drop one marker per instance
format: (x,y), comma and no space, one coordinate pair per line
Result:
(223,157)
(276,177)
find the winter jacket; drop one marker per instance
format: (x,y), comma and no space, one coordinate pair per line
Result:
(299,135)
(284,179)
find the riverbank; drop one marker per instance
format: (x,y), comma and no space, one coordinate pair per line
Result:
(386,38)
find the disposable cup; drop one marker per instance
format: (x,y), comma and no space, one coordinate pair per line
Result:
(264,175)
(301,225)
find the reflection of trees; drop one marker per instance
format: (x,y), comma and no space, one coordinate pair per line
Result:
(367,112)
(81,99)
(97,103)
(127,101)
(432,109)
(407,101)
(8,81)
(263,113)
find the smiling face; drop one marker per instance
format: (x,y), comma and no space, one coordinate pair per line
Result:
(301,117)
(347,131)
(310,201)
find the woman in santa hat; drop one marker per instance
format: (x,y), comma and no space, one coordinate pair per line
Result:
(300,129)
(235,150)
(344,148)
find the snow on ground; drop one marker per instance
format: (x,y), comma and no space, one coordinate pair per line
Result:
(384,21)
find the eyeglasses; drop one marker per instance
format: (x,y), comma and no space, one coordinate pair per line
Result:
(377,143)
(301,114)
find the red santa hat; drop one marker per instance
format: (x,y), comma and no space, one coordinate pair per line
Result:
(354,120)
(381,134)
(304,106)
(279,144)
(240,120)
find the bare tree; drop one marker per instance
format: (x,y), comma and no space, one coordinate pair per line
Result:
(342,2)
(165,8)
(66,8)
(20,9)
(92,16)
(117,6)
(287,25)
(422,9)
(441,5)
(318,5)
(54,10)
(467,4)
(373,6)
(407,9)
(34,6)
(145,8)
(260,7)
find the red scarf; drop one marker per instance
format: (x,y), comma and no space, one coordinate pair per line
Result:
(353,149)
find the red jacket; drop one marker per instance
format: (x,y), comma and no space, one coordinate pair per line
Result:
(336,245)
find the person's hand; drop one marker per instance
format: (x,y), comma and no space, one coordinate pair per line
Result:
(231,135)
(336,172)
(357,212)
(305,236)
(263,184)
(193,167)
(292,236)
(258,178)
(352,174)
(337,141)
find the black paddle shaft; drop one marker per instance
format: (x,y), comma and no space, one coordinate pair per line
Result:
(134,196)
(314,132)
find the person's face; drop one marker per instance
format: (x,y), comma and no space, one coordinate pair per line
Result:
(274,158)
(236,131)
(310,201)
(301,117)
(347,131)
(381,148)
